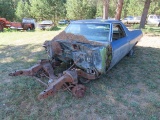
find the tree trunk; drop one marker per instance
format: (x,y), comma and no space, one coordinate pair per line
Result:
(119,10)
(145,13)
(105,9)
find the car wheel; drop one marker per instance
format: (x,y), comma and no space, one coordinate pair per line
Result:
(29,29)
(131,52)
(1,27)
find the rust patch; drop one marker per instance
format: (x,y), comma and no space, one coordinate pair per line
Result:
(70,37)
(79,91)
(56,47)
(53,47)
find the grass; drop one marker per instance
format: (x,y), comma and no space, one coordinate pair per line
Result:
(131,90)
(151,30)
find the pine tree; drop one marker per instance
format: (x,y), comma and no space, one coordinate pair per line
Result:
(80,9)
(20,13)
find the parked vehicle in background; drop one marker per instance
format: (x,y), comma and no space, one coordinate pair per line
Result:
(63,22)
(132,20)
(137,20)
(71,21)
(111,18)
(99,18)
(127,19)
(4,24)
(153,20)
(26,24)
(46,24)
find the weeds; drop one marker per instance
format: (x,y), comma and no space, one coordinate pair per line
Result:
(151,30)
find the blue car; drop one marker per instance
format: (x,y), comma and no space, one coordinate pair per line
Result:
(105,42)
(88,48)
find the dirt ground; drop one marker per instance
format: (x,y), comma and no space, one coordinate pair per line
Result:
(149,40)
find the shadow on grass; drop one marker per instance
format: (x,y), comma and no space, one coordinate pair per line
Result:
(19,55)
(130,90)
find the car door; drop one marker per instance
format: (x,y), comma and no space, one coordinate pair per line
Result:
(119,43)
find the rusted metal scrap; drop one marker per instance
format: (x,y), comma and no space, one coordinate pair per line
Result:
(68,80)
(61,48)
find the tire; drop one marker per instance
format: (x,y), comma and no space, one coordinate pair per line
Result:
(33,26)
(1,27)
(28,29)
(131,52)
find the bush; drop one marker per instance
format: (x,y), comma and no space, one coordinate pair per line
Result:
(53,28)
(8,30)
(135,26)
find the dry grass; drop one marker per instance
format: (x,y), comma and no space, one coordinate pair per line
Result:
(129,91)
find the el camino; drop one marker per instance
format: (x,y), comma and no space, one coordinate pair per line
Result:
(87,48)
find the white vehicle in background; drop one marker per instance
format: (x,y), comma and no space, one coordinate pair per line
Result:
(132,20)
(46,24)
(153,20)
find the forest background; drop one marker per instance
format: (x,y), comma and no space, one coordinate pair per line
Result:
(15,10)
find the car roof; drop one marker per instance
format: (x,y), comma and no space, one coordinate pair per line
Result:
(100,21)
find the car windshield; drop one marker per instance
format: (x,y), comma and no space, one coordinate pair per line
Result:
(91,31)
(155,17)
(28,21)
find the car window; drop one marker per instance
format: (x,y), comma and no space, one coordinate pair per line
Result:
(91,31)
(46,22)
(28,20)
(154,17)
(118,32)
(75,29)
(151,17)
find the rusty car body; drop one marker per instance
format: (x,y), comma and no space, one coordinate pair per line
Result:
(89,48)
(26,24)
(4,24)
